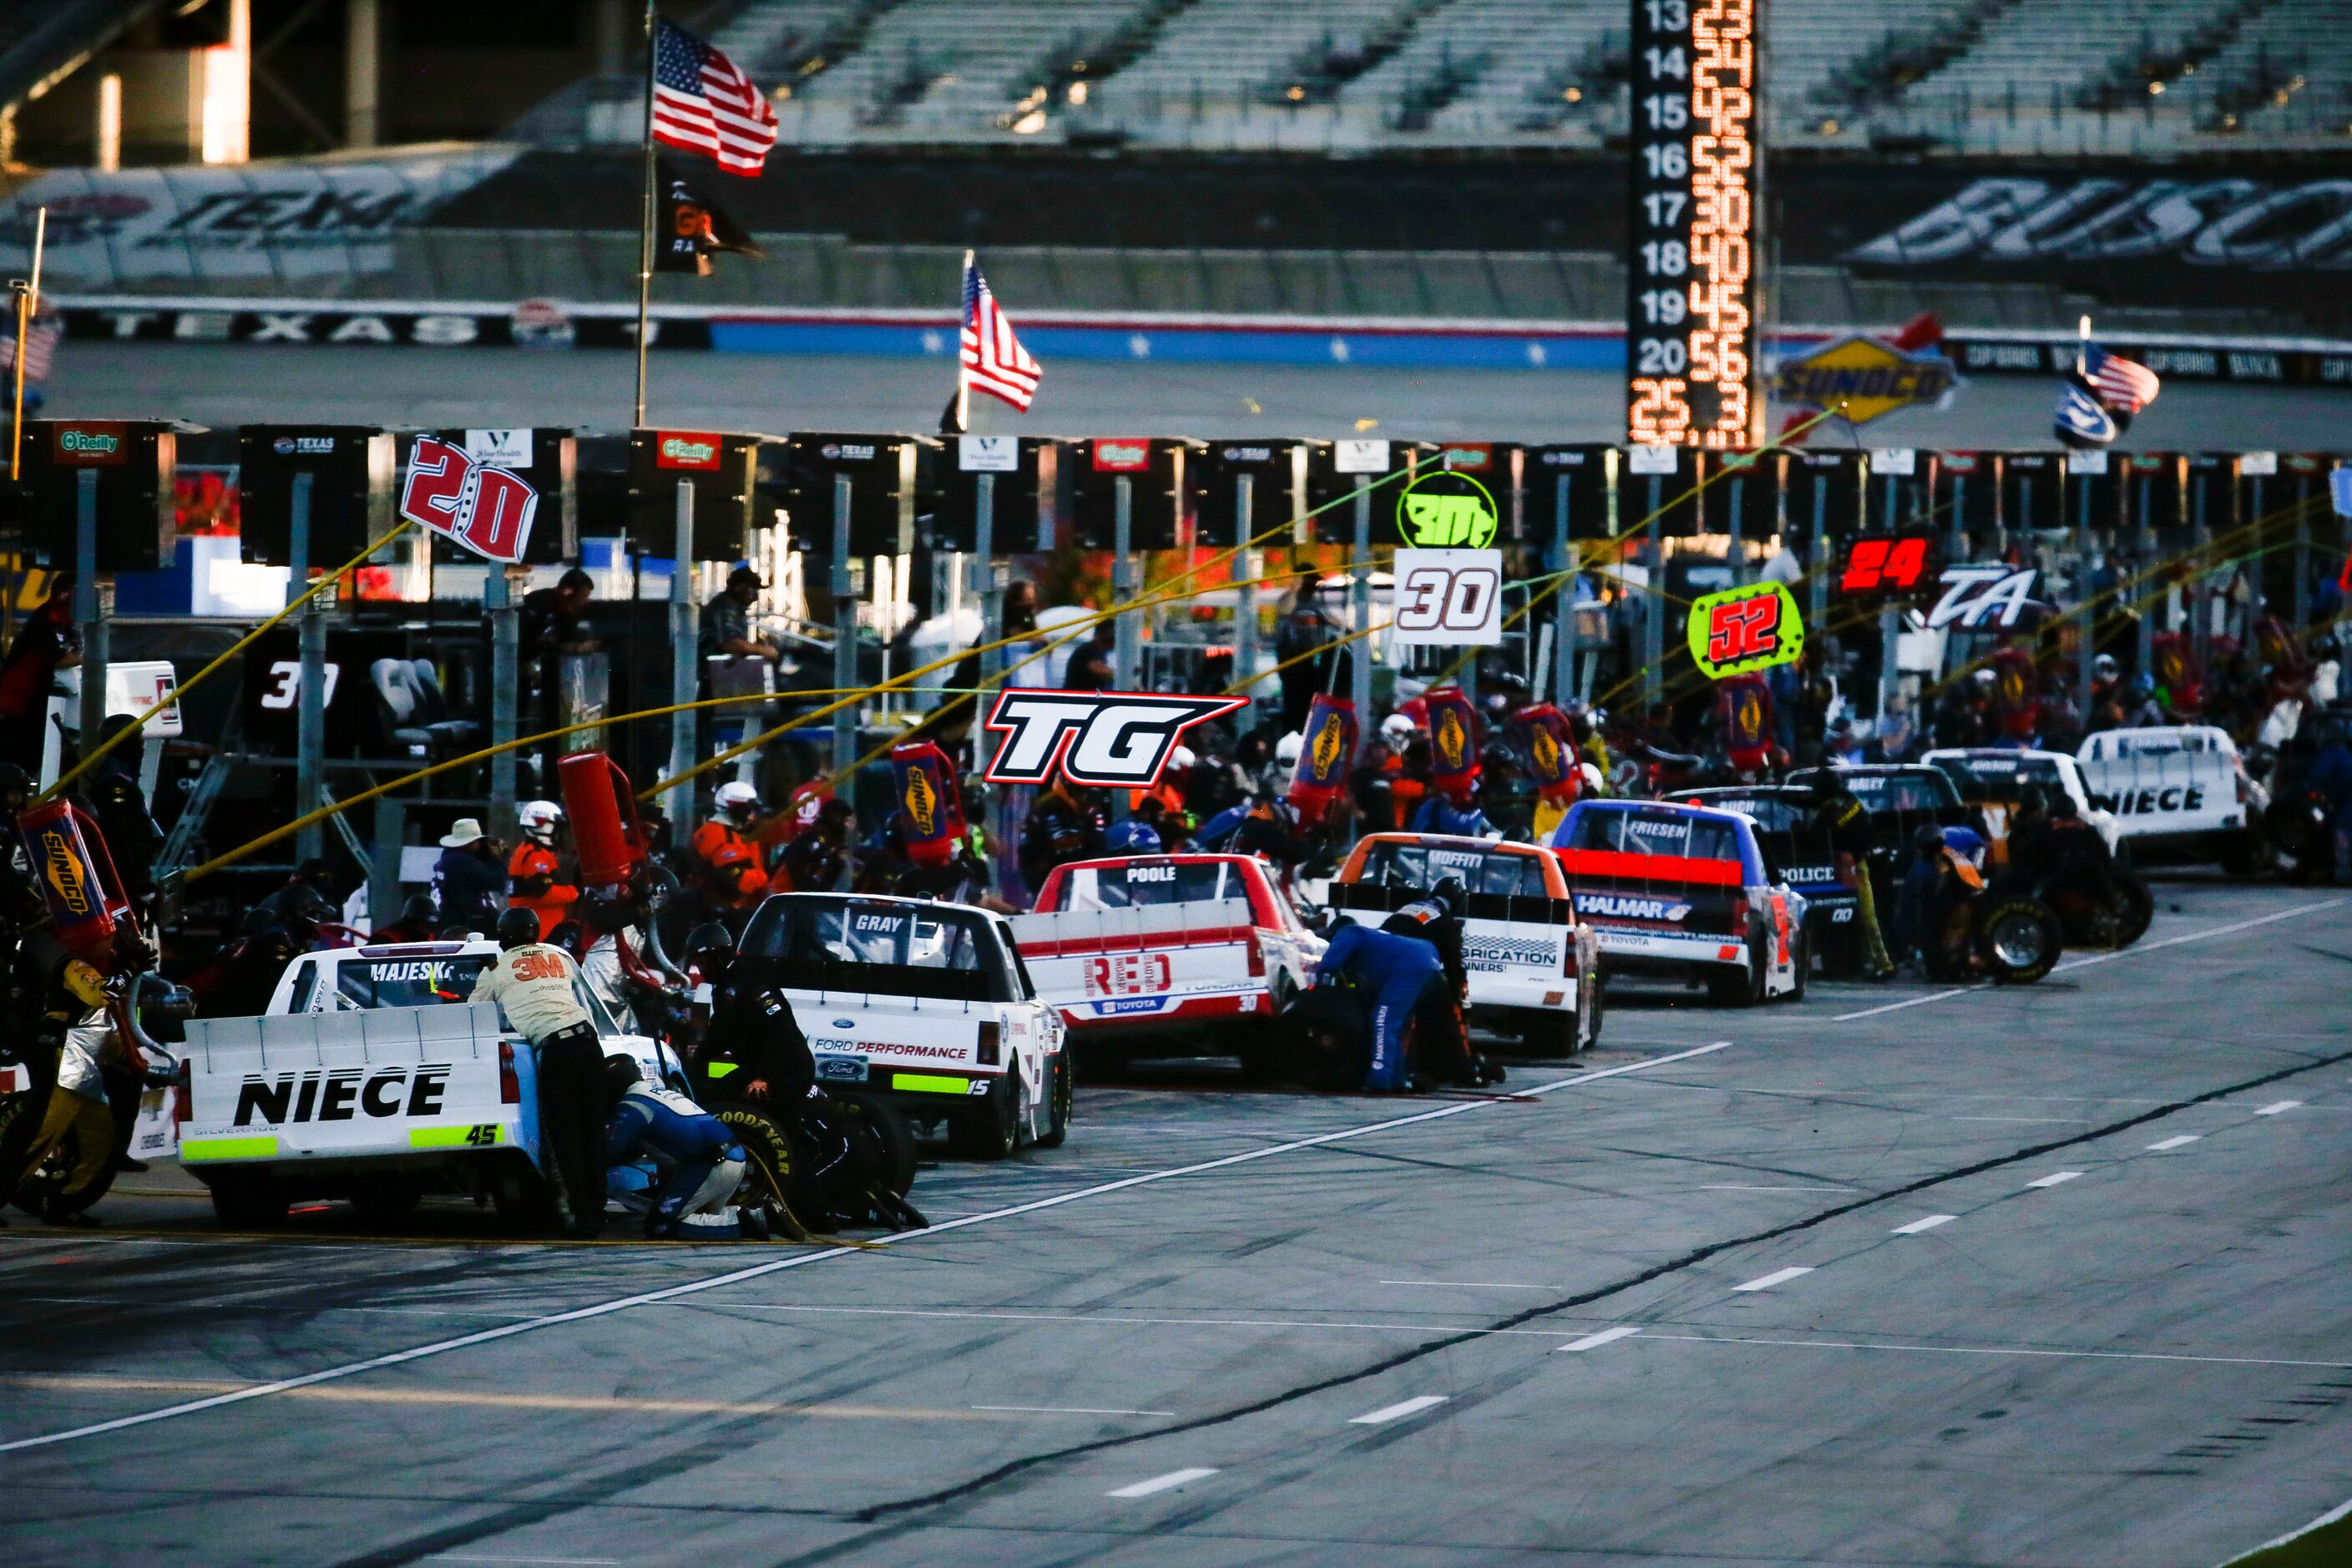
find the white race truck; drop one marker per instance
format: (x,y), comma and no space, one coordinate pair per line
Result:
(2178,792)
(1993,779)
(926,1005)
(1197,953)
(372,1079)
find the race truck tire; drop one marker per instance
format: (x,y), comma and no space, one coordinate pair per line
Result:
(991,1131)
(2019,938)
(525,1200)
(1062,1101)
(2134,906)
(1330,1040)
(892,1132)
(1801,960)
(20,1121)
(1742,987)
(1549,1034)
(1841,947)
(247,1200)
(43,1190)
(382,1202)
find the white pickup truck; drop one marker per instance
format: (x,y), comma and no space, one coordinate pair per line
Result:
(372,1079)
(924,1004)
(1178,949)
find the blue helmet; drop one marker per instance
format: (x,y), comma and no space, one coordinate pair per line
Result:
(1132,837)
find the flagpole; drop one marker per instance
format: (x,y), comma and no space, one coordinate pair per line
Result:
(28,301)
(645,236)
(963,382)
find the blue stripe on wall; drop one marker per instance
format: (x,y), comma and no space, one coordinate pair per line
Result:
(1193,345)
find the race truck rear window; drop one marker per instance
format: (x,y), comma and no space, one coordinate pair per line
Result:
(407,981)
(1997,778)
(1420,866)
(886,949)
(1676,834)
(1902,793)
(1147,882)
(1773,813)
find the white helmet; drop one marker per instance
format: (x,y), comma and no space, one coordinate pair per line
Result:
(1397,728)
(1286,750)
(737,799)
(539,819)
(1181,758)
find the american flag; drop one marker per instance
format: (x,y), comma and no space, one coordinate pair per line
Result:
(43,339)
(2122,384)
(702,103)
(993,359)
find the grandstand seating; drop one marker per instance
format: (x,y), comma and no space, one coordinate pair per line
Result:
(1961,76)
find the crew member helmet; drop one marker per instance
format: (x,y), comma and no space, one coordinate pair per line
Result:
(539,819)
(740,800)
(1132,837)
(518,928)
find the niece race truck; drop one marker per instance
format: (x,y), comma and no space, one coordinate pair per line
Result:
(372,1079)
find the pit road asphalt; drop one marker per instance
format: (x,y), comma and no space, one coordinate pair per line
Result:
(2054,1275)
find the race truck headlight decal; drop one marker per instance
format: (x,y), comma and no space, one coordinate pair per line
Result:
(1104,739)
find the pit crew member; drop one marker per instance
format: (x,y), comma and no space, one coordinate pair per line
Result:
(532,982)
(700,1161)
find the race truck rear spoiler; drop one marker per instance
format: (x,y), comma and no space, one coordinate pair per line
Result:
(1072,934)
(1380,899)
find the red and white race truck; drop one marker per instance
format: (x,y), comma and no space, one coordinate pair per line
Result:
(1177,947)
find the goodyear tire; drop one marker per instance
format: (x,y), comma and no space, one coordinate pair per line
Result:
(247,1200)
(768,1159)
(892,1149)
(992,1130)
(1061,1103)
(524,1199)
(1550,1035)
(2019,938)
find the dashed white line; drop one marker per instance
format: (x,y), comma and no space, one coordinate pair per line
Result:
(1606,1336)
(1399,1411)
(2278,1107)
(1067,1410)
(1930,1223)
(1167,1483)
(2181,1141)
(2054,1178)
(1990,1350)
(1746,1189)
(1778,1277)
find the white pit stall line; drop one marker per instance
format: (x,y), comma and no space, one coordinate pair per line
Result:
(1167,1483)
(1778,1277)
(1930,1223)
(2055,1178)
(2072,963)
(1397,1412)
(802,1260)
(2278,1107)
(1605,1337)
(2181,1141)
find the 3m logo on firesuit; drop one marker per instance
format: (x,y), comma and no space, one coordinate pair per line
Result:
(2148,802)
(1631,908)
(339,1096)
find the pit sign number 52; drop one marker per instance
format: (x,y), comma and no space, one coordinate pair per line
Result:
(1450,598)
(1747,629)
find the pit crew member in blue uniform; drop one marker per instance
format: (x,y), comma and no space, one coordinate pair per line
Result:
(1408,985)
(701,1162)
